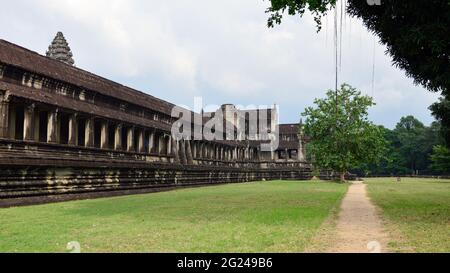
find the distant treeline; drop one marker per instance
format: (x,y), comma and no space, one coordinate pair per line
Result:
(413,149)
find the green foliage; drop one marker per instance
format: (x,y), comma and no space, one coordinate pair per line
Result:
(298,7)
(342,136)
(441,110)
(441,159)
(408,150)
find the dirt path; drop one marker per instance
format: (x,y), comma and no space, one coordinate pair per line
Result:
(359,228)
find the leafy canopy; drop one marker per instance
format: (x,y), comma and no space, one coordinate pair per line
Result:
(441,159)
(342,136)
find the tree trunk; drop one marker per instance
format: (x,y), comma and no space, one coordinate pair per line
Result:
(343,176)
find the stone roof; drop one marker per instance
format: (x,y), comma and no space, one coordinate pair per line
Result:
(28,60)
(289,128)
(81,106)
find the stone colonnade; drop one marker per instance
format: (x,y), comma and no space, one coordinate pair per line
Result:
(31,122)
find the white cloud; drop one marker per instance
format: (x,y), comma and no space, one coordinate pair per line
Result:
(221,50)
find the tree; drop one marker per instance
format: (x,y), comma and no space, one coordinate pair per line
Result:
(416,141)
(441,159)
(441,111)
(342,136)
(392,162)
(416,33)
(409,148)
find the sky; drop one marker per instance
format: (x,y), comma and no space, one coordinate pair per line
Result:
(221,51)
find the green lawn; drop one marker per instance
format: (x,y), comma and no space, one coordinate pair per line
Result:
(254,217)
(419,208)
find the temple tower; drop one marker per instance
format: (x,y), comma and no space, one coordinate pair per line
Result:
(60,50)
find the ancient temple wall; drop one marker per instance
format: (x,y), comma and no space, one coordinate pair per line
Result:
(59,141)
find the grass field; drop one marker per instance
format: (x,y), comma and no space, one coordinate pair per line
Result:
(253,217)
(418,208)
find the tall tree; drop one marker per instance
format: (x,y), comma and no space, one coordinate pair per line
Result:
(342,136)
(410,132)
(416,33)
(441,159)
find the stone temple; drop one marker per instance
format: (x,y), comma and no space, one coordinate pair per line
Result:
(66,133)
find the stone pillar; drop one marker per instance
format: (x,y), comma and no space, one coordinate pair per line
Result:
(151,142)
(203,150)
(118,137)
(169,145)
(130,140)
(52,124)
(28,122)
(4,117)
(175,153)
(301,152)
(104,136)
(194,149)
(189,157)
(160,144)
(89,133)
(141,145)
(12,122)
(73,130)
(286,152)
(37,122)
(182,149)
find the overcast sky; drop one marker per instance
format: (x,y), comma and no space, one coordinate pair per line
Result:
(219,50)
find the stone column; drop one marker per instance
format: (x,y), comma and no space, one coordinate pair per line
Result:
(301,152)
(141,145)
(175,150)
(169,145)
(4,117)
(194,149)
(73,130)
(89,133)
(160,144)
(37,122)
(182,149)
(118,137)
(189,157)
(28,122)
(12,122)
(130,140)
(104,135)
(151,142)
(286,152)
(52,124)
(202,150)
